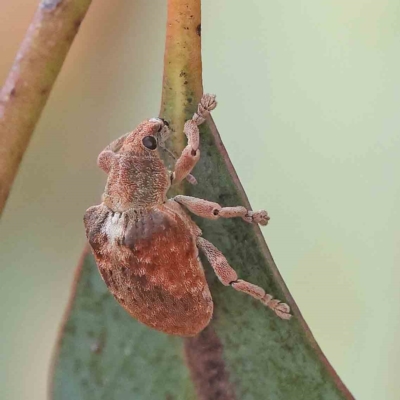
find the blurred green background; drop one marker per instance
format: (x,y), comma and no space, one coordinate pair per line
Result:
(308,94)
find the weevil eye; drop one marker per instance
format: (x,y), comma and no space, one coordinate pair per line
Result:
(150,142)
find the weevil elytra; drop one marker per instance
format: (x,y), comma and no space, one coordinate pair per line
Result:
(147,247)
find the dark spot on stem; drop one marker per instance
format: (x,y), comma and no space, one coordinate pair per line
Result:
(77,23)
(13,92)
(204,356)
(198,29)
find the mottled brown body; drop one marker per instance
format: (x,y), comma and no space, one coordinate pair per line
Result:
(146,246)
(149,261)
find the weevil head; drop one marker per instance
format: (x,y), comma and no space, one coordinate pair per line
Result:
(138,177)
(147,137)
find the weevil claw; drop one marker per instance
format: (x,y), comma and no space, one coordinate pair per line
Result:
(282,310)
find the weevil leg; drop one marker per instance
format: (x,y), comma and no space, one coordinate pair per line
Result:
(191,153)
(210,210)
(190,178)
(228,276)
(105,158)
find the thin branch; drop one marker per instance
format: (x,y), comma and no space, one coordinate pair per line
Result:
(182,81)
(28,85)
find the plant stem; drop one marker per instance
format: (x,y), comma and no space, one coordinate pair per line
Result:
(28,85)
(182,82)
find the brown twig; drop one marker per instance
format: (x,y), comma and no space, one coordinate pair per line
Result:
(28,85)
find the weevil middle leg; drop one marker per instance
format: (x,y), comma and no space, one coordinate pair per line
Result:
(211,210)
(228,276)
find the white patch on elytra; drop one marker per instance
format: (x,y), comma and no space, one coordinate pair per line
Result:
(114,228)
(115,217)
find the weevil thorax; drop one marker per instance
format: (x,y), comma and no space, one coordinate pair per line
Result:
(138,177)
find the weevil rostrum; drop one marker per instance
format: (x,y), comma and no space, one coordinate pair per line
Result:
(147,247)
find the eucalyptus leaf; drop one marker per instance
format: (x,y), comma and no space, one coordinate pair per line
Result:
(246,353)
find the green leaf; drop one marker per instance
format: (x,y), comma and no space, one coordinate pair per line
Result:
(105,354)
(246,352)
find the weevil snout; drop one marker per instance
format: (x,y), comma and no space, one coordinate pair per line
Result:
(161,122)
(163,131)
(165,122)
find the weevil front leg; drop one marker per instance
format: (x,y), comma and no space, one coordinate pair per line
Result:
(228,276)
(191,153)
(210,210)
(105,158)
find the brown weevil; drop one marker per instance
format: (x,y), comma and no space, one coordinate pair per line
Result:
(147,247)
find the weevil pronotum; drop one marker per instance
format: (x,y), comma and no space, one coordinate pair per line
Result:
(147,247)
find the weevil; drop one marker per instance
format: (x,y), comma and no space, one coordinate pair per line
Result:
(147,247)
